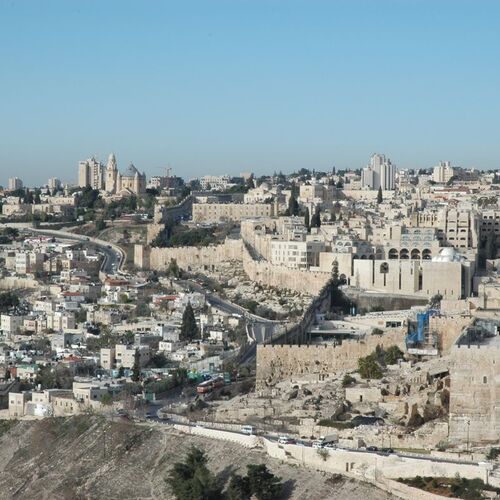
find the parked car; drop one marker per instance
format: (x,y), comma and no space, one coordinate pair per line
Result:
(386,450)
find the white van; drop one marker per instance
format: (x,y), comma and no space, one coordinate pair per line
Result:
(248,429)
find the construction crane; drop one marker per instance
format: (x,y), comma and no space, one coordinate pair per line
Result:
(167,170)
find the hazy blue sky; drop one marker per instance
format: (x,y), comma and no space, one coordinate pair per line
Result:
(215,86)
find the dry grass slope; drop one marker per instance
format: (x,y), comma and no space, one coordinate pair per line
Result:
(88,458)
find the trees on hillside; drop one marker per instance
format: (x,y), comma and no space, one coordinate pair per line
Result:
(8,300)
(192,480)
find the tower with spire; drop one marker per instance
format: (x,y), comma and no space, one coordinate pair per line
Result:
(112,175)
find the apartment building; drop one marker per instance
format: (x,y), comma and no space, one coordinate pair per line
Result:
(296,254)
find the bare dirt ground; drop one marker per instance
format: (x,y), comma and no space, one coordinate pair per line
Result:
(89,458)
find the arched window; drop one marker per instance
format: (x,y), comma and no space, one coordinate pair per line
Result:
(426,254)
(393,253)
(404,254)
(415,254)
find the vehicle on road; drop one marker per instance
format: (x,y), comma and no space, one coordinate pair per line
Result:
(286,440)
(208,386)
(388,451)
(248,429)
(371,448)
(318,444)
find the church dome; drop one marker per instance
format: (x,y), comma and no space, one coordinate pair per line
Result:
(131,171)
(447,254)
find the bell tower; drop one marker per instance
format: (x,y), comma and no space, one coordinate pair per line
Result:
(111,174)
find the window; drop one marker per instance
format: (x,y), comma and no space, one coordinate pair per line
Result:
(485,380)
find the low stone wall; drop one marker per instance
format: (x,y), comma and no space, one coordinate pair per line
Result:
(380,470)
(241,439)
(286,362)
(370,466)
(404,491)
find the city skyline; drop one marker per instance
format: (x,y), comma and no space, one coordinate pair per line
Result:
(247,86)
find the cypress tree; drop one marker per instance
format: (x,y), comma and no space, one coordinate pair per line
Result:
(379,195)
(136,368)
(189,328)
(306,218)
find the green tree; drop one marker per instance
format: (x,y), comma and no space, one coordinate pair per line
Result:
(435,301)
(158,361)
(107,399)
(369,367)
(392,355)
(192,480)
(189,328)
(348,380)
(316,218)
(136,368)
(121,372)
(239,488)
(379,195)
(173,268)
(293,205)
(8,300)
(100,225)
(263,484)
(307,218)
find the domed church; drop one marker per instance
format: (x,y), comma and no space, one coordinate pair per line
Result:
(130,182)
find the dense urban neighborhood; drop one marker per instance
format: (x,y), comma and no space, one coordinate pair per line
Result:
(341,321)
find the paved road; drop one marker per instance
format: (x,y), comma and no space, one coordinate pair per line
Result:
(113,255)
(259,329)
(300,442)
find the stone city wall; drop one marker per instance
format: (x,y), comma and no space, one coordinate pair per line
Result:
(276,363)
(12,283)
(264,272)
(260,271)
(195,257)
(448,328)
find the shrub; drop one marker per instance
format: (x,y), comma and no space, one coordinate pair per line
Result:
(348,380)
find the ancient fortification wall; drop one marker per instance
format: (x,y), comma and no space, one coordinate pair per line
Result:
(194,257)
(448,329)
(276,363)
(260,271)
(282,277)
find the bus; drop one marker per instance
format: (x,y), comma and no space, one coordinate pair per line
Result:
(209,385)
